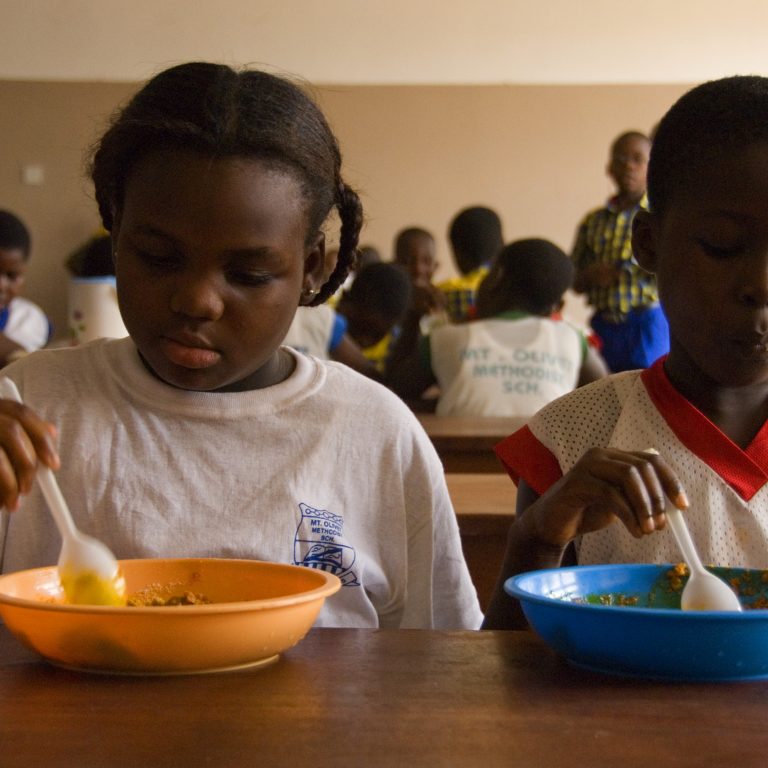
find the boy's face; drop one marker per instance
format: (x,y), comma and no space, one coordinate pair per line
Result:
(13,268)
(418,257)
(709,250)
(211,261)
(628,165)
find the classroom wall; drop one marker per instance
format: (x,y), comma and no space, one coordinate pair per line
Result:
(417,154)
(396,42)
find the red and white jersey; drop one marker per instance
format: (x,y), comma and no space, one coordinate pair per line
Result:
(727,487)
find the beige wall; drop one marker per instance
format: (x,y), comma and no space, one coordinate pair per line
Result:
(417,154)
(393,42)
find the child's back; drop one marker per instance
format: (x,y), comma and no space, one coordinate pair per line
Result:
(475,237)
(514,358)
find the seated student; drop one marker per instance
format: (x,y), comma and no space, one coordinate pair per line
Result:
(415,252)
(366,254)
(93,258)
(475,237)
(203,435)
(24,327)
(514,358)
(322,332)
(374,307)
(588,487)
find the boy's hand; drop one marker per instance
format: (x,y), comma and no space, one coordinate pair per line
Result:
(603,486)
(25,441)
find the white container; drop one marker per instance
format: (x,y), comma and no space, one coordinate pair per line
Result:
(92,309)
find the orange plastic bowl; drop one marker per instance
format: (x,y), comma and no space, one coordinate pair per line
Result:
(257,610)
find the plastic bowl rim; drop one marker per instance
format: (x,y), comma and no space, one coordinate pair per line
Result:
(331,586)
(512,588)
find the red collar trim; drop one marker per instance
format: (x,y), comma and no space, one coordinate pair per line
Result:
(745,471)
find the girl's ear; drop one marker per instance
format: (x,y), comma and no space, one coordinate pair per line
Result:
(318,265)
(644,236)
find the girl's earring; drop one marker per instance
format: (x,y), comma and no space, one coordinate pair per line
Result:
(308,294)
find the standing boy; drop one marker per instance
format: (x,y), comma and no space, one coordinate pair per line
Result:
(627,315)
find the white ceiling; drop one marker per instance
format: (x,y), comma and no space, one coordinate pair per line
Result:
(390,41)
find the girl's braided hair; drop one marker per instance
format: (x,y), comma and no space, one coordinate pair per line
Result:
(220,112)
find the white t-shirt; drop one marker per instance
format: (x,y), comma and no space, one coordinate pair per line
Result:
(27,324)
(326,469)
(506,366)
(727,487)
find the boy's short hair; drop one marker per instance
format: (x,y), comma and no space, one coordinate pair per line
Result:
(475,234)
(14,234)
(367,254)
(715,117)
(383,288)
(628,135)
(536,273)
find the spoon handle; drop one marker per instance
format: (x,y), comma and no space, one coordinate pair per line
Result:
(682,534)
(46,478)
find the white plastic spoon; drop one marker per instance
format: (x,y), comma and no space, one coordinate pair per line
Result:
(89,572)
(704,591)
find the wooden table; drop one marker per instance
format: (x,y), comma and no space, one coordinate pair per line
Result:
(466,444)
(379,698)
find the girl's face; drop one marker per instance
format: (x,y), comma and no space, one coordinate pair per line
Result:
(211,260)
(710,253)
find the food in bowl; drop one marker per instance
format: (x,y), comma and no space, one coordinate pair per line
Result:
(149,598)
(749,585)
(651,638)
(257,610)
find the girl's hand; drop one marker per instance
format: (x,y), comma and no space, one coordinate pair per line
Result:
(605,485)
(25,441)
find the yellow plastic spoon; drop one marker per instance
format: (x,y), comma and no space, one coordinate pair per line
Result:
(89,572)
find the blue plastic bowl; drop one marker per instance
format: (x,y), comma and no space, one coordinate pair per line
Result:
(654,638)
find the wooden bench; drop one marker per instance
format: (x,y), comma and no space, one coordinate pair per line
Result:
(465,444)
(485,506)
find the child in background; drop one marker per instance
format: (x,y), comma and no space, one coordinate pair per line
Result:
(415,252)
(588,488)
(199,434)
(24,327)
(514,358)
(374,307)
(475,236)
(322,332)
(366,254)
(93,258)
(627,318)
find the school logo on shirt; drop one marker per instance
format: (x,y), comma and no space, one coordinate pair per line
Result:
(320,543)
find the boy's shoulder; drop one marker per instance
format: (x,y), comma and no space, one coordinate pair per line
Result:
(589,414)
